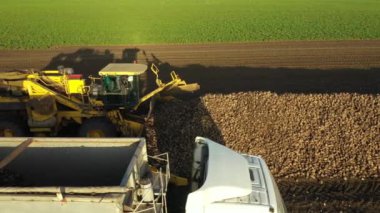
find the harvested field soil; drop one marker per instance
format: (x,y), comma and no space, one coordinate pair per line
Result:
(294,54)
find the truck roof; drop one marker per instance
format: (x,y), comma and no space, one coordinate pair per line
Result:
(234,182)
(123,69)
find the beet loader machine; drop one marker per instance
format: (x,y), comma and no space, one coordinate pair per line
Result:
(43,102)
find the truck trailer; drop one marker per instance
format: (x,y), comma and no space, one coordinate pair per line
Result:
(116,175)
(83,175)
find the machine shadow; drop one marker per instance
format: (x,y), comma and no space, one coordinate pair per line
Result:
(88,61)
(85,61)
(280,80)
(217,79)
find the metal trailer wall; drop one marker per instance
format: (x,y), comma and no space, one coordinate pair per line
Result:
(73,174)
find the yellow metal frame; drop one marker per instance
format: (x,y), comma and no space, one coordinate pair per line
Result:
(71,92)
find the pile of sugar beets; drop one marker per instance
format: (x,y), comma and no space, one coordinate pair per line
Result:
(300,136)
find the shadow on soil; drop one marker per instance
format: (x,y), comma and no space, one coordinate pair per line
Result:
(89,61)
(233,79)
(170,137)
(280,80)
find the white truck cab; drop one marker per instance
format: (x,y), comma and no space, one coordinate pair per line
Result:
(226,181)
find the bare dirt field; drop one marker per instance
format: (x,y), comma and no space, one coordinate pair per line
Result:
(302,54)
(311,109)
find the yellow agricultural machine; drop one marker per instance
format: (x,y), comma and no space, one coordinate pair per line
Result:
(43,102)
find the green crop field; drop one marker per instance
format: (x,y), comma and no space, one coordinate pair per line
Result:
(28,24)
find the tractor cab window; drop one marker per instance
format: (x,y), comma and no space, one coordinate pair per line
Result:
(111,84)
(119,84)
(121,90)
(132,83)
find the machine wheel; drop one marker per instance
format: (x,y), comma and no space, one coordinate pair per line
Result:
(97,128)
(10,128)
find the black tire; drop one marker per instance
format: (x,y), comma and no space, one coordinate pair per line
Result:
(97,127)
(12,128)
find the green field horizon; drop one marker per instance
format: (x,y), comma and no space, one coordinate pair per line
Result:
(36,24)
